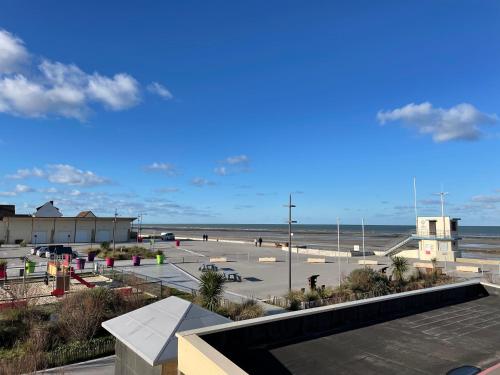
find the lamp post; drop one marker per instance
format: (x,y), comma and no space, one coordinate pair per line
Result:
(442,194)
(338,248)
(363,234)
(114,231)
(290,222)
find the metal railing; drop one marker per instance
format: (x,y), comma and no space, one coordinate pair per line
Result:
(438,233)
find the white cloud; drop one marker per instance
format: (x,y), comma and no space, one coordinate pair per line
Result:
(200,182)
(160,90)
(26,173)
(239,159)
(69,175)
(13,54)
(486,198)
(167,190)
(461,122)
(23,189)
(221,171)
(55,88)
(19,189)
(167,168)
(232,165)
(61,174)
(117,93)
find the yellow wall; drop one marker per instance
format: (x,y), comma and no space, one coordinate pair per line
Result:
(196,357)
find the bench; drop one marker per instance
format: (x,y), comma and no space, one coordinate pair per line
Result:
(232,276)
(368,262)
(316,260)
(469,269)
(267,259)
(220,259)
(208,267)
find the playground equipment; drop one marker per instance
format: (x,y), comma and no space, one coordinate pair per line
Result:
(59,272)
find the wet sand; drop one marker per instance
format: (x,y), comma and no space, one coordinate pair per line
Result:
(472,246)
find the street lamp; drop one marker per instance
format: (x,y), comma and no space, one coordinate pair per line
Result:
(114,231)
(290,222)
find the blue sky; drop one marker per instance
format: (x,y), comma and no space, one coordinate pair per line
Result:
(212,112)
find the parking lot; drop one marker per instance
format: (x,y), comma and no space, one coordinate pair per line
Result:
(258,279)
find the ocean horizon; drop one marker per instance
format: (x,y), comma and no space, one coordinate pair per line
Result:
(390,230)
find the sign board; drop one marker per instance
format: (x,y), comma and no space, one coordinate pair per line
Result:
(356,247)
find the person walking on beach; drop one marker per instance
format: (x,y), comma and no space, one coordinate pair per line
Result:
(255,242)
(260,241)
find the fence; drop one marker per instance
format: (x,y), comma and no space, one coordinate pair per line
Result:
(80,351)
(287,302)
(141,283)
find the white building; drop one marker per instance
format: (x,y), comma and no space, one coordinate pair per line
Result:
(47,225)
(438,238)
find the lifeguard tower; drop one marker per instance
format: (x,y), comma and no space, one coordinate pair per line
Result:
(437,238)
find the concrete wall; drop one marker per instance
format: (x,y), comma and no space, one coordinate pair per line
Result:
(63,230)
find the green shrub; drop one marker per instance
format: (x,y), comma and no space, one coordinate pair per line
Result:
(367,280)
(295,298)
(311,295)
(211,289)
(105,245)
(248,309)
(23,243)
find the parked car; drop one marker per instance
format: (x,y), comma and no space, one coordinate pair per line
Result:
(168,237)
(41,251)
(35,249)
(60,250)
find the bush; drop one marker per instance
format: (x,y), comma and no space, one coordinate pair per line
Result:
(248,309)
(295,298)
(366,280)
(105,245)
(312,295)
(23,243)
(211,289)
(3,262)
(126,253)
(82,313)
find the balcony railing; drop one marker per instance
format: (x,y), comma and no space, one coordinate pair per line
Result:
(437,233)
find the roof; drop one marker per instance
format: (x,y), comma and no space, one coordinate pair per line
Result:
(150,330)
(456,325)
(86,214)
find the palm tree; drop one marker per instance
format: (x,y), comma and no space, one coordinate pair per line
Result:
(211,289)
(400,266)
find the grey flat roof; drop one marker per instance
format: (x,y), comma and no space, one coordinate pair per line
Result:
(432,342)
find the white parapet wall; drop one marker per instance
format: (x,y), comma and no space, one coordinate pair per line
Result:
(492,262)
(468,269)
(316,260)
(218,260)
(368,262)
(423,265)
(267,259)
(324,253)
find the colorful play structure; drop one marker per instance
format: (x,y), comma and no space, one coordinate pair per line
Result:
(59,272)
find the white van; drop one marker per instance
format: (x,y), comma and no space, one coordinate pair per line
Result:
(167,236)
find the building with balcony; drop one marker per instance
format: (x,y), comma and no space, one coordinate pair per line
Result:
(437,238)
